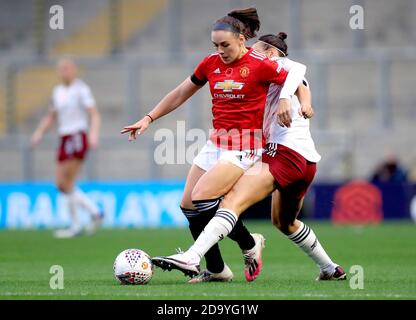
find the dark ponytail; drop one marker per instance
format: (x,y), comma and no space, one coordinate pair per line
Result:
(277,41)
(242,21)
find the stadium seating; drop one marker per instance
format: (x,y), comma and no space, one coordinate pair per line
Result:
(348,126)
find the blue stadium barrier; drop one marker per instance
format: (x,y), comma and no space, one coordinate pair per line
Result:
(396,199)
(126,204)
(156,204)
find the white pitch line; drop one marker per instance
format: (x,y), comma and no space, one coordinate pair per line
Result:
(269,295)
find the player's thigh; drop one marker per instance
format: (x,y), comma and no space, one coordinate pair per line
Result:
(255,185)
(66,173)
(217,181)
(194,174)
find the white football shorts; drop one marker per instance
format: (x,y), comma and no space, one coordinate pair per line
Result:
(211,154)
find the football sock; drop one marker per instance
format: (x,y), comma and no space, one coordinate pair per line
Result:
(306,240)
(72,208)
(218,228)
(197,222)
(239,234)
(206,205)
(242,236)
(83,200)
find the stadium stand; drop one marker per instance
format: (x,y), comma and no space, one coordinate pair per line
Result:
(350,89)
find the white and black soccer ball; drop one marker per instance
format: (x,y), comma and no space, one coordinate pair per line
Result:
(133,266)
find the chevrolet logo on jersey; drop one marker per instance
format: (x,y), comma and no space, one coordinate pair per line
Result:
(229,85)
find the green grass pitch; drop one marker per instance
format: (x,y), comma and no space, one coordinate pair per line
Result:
(386,252)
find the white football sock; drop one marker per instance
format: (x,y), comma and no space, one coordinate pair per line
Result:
(217,229)
(84,201)
(306,239)
(73,211)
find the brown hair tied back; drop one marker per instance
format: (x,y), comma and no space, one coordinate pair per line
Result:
(244,21)
(282,35)
(276,41)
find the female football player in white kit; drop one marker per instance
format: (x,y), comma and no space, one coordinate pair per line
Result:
(287,168)
(239,79)
(72,103)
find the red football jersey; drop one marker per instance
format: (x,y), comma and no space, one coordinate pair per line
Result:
(239,92)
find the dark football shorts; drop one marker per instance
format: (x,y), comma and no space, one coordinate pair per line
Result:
(74,146)
(293,174)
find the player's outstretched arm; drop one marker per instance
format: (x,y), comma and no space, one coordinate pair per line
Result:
(170,102)
(43,126)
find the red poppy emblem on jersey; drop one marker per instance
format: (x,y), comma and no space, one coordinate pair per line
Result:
(229,72)
(229,85)
(244,71)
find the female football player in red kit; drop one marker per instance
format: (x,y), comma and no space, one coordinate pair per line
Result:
(239,80)
(288,167)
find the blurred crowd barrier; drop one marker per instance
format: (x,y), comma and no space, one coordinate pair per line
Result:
(154,204)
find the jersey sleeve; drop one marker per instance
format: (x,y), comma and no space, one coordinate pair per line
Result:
(273,72)
(293,80)
(87,98)
(199,76)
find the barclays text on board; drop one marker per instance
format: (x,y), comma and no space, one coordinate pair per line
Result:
(142,204)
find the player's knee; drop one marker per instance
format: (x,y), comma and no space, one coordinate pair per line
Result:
(233,202)
(186,203)
(204,193)
(64,187)
(196,195)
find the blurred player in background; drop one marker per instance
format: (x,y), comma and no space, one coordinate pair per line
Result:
(72,103)
(288,166)
(239,79)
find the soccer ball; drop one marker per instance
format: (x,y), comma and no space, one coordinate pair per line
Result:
(133,266)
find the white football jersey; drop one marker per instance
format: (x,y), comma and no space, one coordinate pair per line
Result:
(71,104)
(298,136)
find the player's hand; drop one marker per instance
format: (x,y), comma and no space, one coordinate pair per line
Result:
(138,128)
(284,118)
(35,139)
(306,111)
(93,141)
